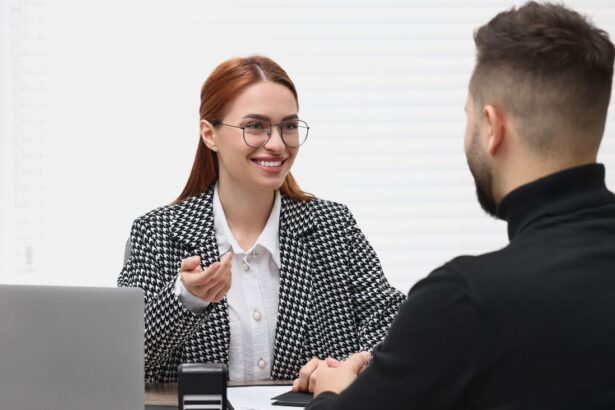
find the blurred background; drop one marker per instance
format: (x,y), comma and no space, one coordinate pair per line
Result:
(99,120)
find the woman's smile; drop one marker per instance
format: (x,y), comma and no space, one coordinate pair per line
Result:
(269,164)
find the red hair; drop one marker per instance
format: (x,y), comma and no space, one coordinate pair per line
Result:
(224,84)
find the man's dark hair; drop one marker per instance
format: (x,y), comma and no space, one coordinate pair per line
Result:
(551,69)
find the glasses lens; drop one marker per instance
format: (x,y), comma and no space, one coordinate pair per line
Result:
(256,133)
(294,132)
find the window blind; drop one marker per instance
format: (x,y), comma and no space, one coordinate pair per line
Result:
(104,102)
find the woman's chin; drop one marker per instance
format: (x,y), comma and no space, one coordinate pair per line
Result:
(271,183)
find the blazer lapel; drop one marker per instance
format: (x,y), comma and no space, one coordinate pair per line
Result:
(294,306)
(194,230)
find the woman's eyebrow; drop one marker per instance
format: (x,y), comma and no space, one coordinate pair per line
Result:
(265,118)
(257,117)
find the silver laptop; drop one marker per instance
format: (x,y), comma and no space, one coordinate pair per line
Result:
(71,348)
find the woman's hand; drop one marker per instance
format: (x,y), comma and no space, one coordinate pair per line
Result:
(309,372)
(210,284)
(336,376)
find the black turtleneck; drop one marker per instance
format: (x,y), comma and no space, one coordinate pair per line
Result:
(559,193)
(530,326)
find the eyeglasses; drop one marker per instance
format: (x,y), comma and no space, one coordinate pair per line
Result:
(257,133)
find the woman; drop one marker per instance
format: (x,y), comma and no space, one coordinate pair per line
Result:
(245,268)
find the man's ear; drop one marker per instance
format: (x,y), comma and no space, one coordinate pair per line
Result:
(495,120)
(208,136)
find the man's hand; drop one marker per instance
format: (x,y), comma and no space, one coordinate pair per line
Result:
(308,373)
(338,377)
(210,284)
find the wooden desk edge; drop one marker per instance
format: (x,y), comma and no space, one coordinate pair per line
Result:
(165,394)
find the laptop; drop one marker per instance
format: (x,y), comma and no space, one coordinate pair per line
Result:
(71,348)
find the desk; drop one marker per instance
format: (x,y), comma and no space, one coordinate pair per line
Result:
(165,394)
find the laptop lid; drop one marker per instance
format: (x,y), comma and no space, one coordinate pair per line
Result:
(71,348)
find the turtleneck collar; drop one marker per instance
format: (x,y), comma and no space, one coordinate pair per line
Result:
(561,192)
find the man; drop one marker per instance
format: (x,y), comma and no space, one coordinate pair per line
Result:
(530,326)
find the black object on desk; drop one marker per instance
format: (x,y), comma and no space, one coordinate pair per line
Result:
(292,398)
(202,386)
(162,407)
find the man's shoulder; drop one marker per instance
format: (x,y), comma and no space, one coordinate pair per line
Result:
(483,276)
(472,267)
(467,264)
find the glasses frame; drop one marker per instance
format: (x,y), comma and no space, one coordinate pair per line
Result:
(269,133)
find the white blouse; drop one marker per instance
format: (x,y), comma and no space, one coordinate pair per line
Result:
(252,298)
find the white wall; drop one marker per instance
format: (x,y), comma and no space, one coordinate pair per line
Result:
(99,122)
(7,262)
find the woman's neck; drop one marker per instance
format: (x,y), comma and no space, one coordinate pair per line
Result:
(247,210)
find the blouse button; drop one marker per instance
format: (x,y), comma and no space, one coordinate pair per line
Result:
(256,315)
(245,266)
(261,363)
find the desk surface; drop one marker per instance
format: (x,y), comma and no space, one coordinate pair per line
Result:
(166,394)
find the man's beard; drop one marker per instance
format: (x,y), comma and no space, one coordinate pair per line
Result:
(483,177)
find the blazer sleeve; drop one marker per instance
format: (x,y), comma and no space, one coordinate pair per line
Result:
(376,301)
(167,322)
(430,356)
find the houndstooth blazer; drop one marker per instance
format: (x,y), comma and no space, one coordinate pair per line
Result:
(334,299)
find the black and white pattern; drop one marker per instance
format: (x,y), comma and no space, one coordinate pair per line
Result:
(334,298)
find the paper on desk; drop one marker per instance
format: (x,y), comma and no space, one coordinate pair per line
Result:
(256,397)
